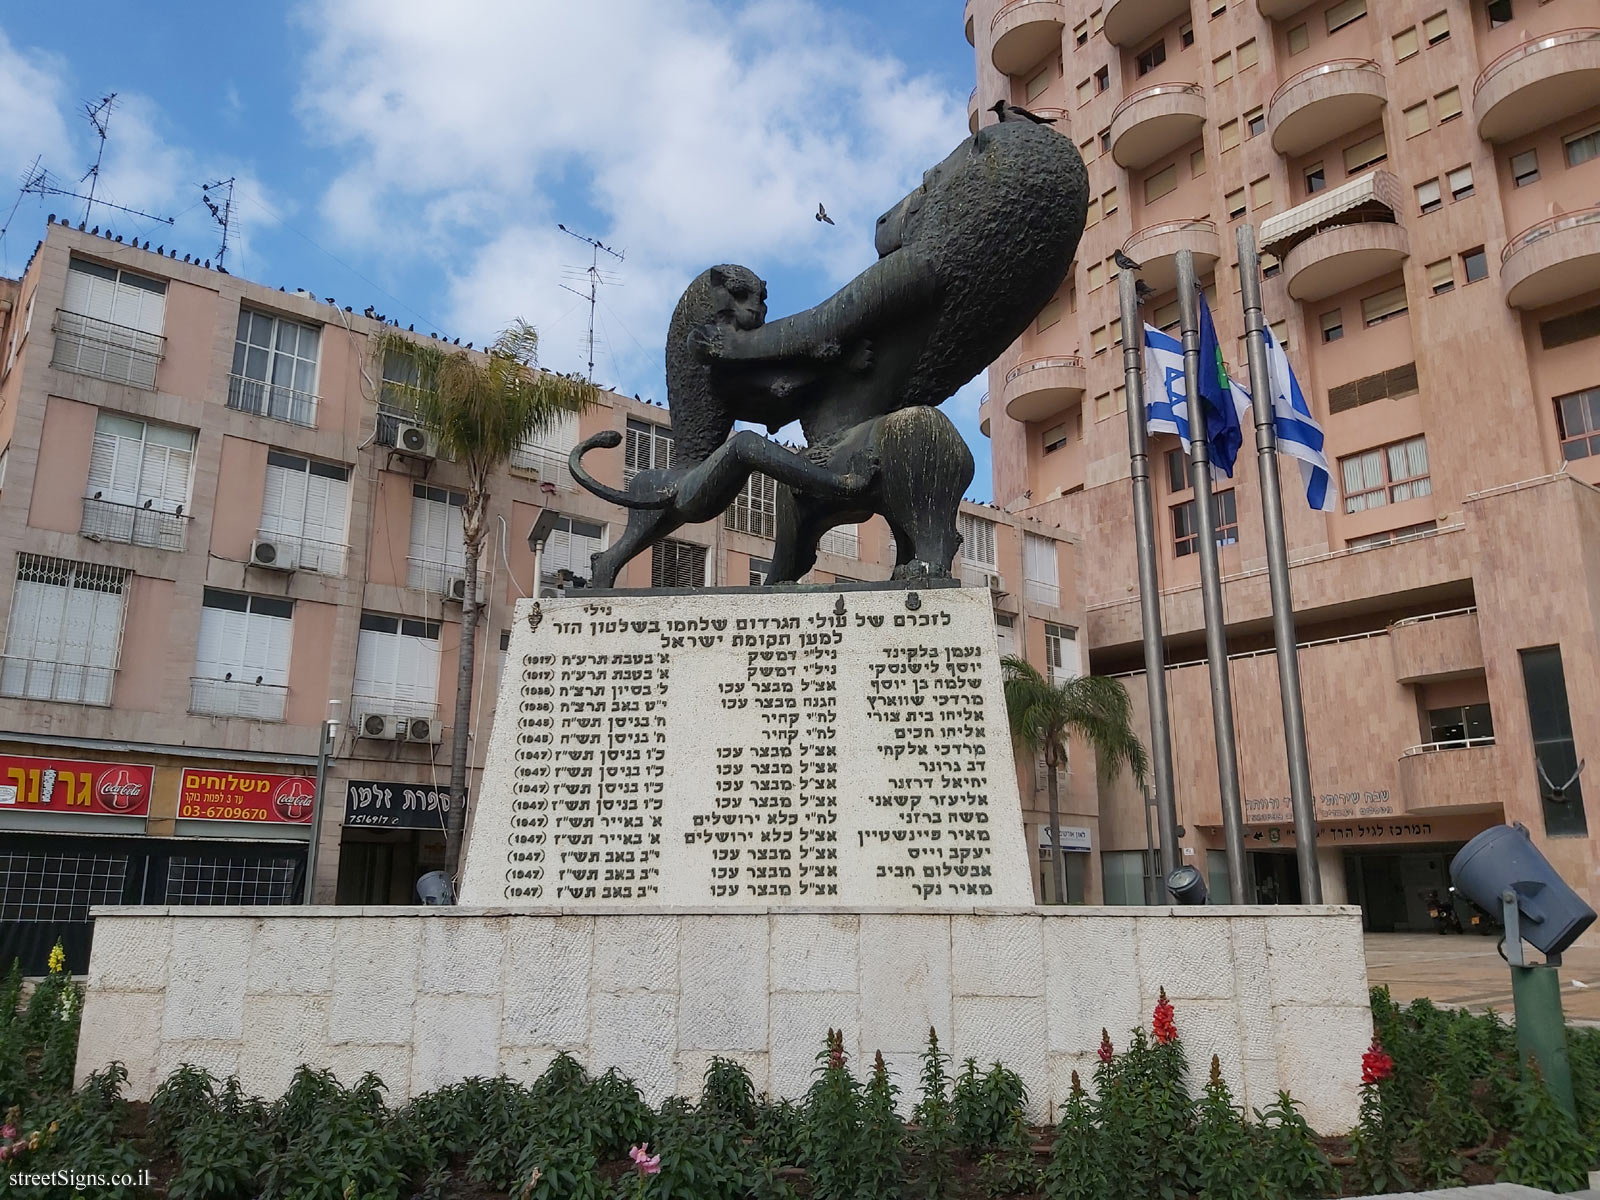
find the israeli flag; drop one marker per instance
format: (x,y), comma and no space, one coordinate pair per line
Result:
(1299,435)
(1166,404)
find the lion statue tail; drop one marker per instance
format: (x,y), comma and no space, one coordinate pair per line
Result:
(607,439)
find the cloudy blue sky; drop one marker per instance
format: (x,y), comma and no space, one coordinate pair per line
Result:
(418,156)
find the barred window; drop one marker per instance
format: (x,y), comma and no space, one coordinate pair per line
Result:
(675,564)
(64,638)
(755,509)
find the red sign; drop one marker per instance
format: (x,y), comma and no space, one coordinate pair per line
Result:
(68,785)
(234,796)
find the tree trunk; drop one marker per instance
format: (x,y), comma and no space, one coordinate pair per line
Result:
(1058,858)
(456,824)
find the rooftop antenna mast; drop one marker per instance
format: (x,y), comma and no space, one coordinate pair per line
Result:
(595,279)
(40,183)
(222,215)
(99,116)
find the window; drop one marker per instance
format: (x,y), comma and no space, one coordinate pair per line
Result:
(1085,92)
(1246,56)
(1448,104)
(1038,83)
(65,635)
(1151,58)
(1102,80)
(544,454)
(1086,150)
(1525,168)
(1116,332)
(1097,340)
(648,447)
(139,481)
(1332,325)
(843,540)
(1405,44)
(397,666)
(977,540)
(1096,19)
(755,508)
(1177,471)
(19,333)
(675,564)
(1416,119)
(1555,752)
(1499,13)
(1080,33)
(1091,216)
(1228,135)
(572,546)
(1186,35)
(1298,39)
(110,324)
(1105,141)
(1097,277)
(1005,630)
(1316,179)
(1197,163)
(397,401)
(1236,205)
(1381,385)
(1582,146)
(760,572)
(241,661)
(1053,438)
(1041,579)
(1460,183)
(1476,264)
(1161,183)
(1119,398)
(1375,310)
(1436,28)
(1109,404)
(1390,474)
(1441,277)
(1271,266)
(1261,192)
(1049,315)
(5,457)
(1255,123)
(438,552)
(274,368)
(1574,327)
(1218,7)
(1123,874)
(1222,67)
(1109,201)
(1388,537)
(1186,530)
(1578,419)
(1459,724)
(1366,153)
(1060,652)
(304,508)
(1429,198)
(1344,13)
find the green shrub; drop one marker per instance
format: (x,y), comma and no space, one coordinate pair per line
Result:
(1227,1160)
(882,1137)
(1292,1164)
(1547,1149)
(729,1091)
(935,1138)
(1077,1170)
(982,1105)
(833,1133)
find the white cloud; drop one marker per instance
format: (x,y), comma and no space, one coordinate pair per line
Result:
(686,132)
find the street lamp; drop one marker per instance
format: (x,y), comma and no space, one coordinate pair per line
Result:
(328,732)
(543,526)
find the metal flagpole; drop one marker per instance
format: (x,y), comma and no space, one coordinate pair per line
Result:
(1294,719)
(1155,671)
(326,732)
(1211,582)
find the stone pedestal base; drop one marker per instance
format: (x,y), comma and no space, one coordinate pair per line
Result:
(427,996)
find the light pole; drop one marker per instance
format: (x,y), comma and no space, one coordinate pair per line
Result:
(543,526)
(327,731)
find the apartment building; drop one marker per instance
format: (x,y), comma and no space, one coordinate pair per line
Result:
(1424,176)
(218,528)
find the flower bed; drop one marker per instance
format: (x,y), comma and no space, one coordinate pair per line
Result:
(1442,1102)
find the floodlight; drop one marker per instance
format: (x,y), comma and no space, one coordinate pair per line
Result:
(434,889)
(1502,860)
(1187,886)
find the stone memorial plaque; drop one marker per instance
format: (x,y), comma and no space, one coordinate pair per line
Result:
(751,748)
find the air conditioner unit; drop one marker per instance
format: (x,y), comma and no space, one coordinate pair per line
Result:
(272,556)
(456,589)
(997,585)
(425,729)
(415,441)
(382,727)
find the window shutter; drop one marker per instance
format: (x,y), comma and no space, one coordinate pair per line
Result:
(1449,104)
(282,500)
(1365,153)
(327,508)
(370,664)
(1385,304)
(1441,275)
(1039,554)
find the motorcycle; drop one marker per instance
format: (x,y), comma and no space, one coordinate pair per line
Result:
(1443,912)
(1478,920)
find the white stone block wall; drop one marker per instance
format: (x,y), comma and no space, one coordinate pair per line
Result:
(427,996)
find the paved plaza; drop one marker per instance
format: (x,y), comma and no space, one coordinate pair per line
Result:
(1466,970)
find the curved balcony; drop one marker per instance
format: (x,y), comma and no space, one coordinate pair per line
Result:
(1325,102)
(1277,10)
(1156,248)
(984,413)
(1129,22)
(1023,32)
(1339,258)
(1553,261)
(1464,776)
(1043,387)
(972,111)
(1154,121)
(968,22)
(1538,83)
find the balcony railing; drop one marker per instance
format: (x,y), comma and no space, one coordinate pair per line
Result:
(1040,592)
(1154,90)
(272,400)
(1195,225)
(237,698)
(1565,37)
(132,524)
(1328,67)
(299,553)
(67,683)
(546,463)
(1039,364)
(400,706)
(1545,228)
(88,345)
(1461,743)
(438,577)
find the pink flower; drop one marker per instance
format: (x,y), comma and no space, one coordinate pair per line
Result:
(647,1163)
(1105,1052)
(8,1132)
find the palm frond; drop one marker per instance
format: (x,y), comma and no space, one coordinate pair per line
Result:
(1043,716)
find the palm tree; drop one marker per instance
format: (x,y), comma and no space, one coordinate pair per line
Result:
(481,409)
(1044,715)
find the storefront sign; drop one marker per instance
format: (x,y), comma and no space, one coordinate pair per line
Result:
(68,785)
(1074,839)
(374,803)
(236,796)
(1330,806)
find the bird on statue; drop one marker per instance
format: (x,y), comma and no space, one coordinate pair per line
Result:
(822,215)
(1142,292)
(1125,263)
(1006,111)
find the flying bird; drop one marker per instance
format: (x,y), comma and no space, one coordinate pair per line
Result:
(1125,263)
(1559,793)
(822,215)
(1006,111)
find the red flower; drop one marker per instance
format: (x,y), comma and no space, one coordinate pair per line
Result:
(1376,1065)
(1105,1051)
(1165,1029)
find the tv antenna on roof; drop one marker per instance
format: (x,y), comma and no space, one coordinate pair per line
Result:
(222,215)
(99,116)
(596,278)
(41,184)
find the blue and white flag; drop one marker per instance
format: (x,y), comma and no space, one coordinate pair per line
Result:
(1166,402)
(1299,435)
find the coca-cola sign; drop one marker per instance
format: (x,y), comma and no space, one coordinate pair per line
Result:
(31,784)
(221,795)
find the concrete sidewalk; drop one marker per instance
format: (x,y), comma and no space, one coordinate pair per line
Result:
(1491,1191)
(1465,970)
